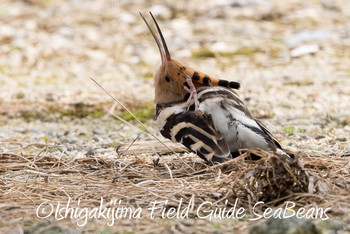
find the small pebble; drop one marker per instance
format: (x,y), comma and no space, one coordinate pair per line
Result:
(127,18)
(97,131)
(58,135)
(330,224)
(91,152)
(49,97)
(113,134)
(345,171)
(160,11)
(303,50)
(217,195)
(303,137)
(341,139)
(94,167)
(299,38)
(72,140)
(320,137)
(280,226)
(330,5)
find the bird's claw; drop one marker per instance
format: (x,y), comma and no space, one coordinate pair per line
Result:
(193,95)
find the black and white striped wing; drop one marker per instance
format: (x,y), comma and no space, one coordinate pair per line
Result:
(197,133)
(232,119)
(225,127)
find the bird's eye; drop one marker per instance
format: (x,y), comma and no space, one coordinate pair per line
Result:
(167,79)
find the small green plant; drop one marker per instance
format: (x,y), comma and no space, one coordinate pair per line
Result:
(206,53)
(148,75)
(143,113)
(216,226)
(203,53)
(289,130)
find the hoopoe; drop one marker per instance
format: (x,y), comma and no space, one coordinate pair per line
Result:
(202,112)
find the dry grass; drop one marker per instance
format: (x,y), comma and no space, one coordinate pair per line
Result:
(27,180)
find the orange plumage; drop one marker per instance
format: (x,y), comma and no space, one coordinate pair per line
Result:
(170,77)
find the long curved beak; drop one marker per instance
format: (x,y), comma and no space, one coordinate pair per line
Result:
(163,48)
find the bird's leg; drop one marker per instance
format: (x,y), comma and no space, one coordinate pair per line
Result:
(190,97)
(193,95)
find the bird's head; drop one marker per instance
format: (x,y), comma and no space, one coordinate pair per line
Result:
(170,76)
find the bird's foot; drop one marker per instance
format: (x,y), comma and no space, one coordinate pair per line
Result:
(193,95)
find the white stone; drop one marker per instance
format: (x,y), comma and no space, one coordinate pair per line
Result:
(303,50)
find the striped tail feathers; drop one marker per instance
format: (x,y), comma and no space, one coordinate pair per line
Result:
(275,145)
(270,139)
(196,133)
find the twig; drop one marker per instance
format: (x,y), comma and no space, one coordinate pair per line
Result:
(40,173)
(139,122)
(170,172)
(131,143)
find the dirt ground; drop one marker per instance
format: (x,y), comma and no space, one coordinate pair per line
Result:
(58,142)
